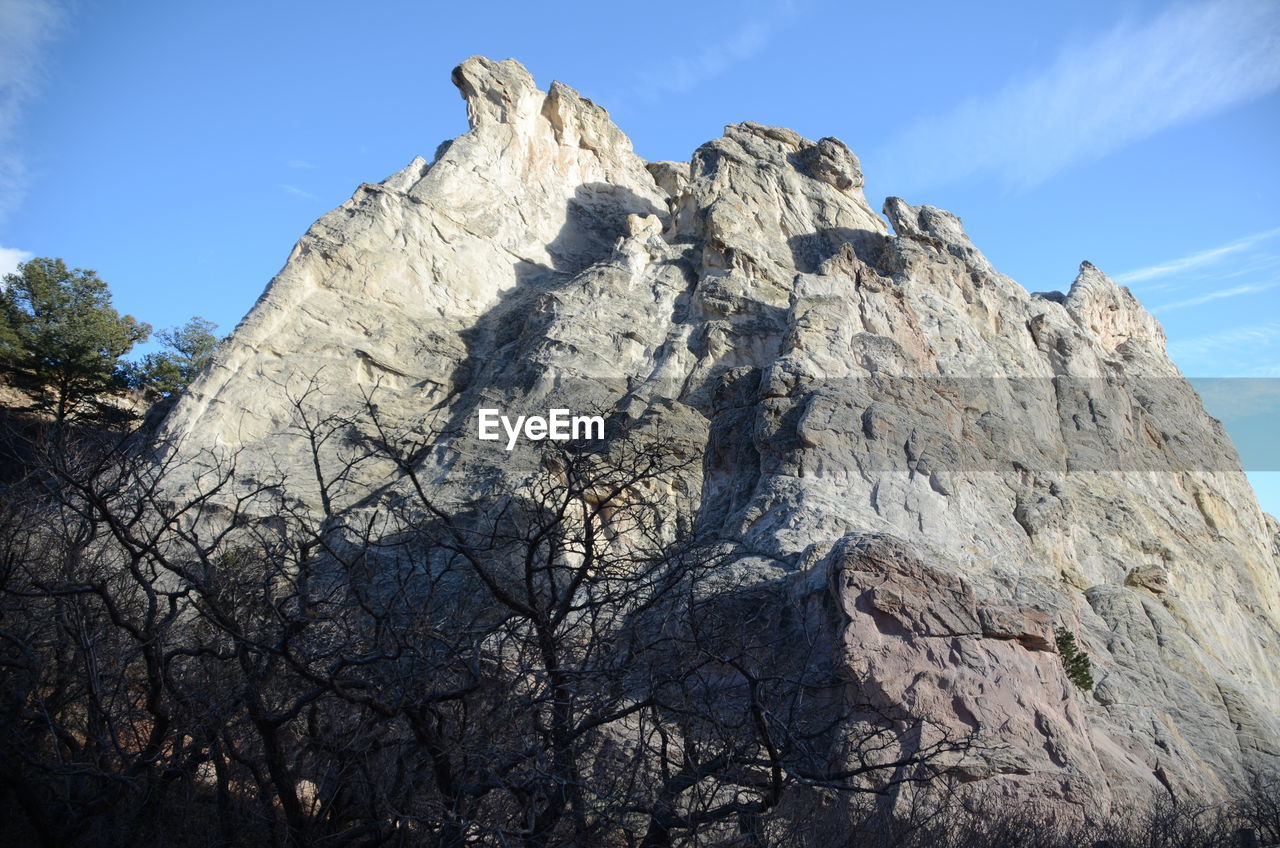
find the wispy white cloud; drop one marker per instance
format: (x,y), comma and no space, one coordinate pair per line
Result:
(1246,350)
(1195,260)
(300,163)
(26,28)
(294,190)
(1220,294)
(1237,338)
(9,259)
(1189,62)
(684,73)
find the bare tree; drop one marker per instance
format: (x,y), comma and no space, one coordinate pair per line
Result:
(561,661)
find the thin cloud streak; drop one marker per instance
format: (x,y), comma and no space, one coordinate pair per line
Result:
(1185,263)
(684,73)
(1191,61)
(294,190)
(1259,335)
(1245,351)
(1216,295)
(300,163)
(26,28)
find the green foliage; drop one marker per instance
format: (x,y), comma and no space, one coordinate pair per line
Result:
(1075,661)
(63,341)
(189,349)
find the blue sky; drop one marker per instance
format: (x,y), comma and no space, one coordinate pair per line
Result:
(181,148)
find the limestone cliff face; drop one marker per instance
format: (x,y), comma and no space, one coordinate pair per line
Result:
(886,422)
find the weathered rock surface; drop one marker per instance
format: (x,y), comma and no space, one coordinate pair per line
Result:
(958,464)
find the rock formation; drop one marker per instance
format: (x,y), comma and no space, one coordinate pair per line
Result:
(886,422)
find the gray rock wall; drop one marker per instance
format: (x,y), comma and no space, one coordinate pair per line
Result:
(957,464)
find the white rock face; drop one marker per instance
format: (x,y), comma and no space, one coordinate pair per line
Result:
(955,464)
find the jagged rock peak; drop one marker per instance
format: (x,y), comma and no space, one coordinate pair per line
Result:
(933,226)
(505,93)
(502,92)
(964,460)
(1110,311)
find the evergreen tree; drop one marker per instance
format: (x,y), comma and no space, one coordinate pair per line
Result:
(62,341)
(190,348)
(1076,662)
